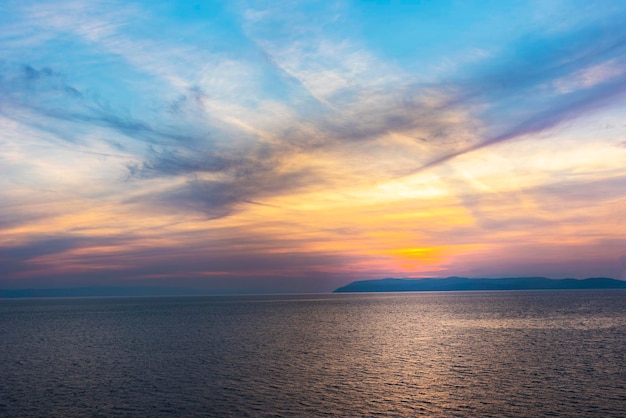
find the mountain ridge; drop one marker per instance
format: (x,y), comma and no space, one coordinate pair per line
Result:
(464,283)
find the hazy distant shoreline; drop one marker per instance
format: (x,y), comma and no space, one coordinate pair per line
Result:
(101,291)
(464,283)
(376,285)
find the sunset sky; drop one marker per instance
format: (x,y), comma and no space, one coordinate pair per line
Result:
(297,146)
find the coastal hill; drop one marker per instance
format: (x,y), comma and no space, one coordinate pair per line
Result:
(463,283)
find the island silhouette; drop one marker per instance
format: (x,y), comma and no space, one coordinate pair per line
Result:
(464,283)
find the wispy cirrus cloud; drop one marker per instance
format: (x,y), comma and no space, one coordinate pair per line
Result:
(169,128)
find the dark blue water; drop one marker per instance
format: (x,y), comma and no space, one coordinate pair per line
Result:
(544,353)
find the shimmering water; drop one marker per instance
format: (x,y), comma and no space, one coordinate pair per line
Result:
(544,353)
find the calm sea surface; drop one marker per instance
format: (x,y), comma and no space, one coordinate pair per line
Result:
(543,353)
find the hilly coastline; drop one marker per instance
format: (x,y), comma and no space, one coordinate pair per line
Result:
(464,283)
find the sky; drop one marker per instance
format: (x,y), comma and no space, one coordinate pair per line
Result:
(277,146)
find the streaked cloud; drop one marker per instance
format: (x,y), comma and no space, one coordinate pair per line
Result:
(213,143)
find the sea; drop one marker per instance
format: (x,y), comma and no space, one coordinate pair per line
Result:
(435,354)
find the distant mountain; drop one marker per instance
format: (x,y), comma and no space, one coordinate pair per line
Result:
(463,283)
